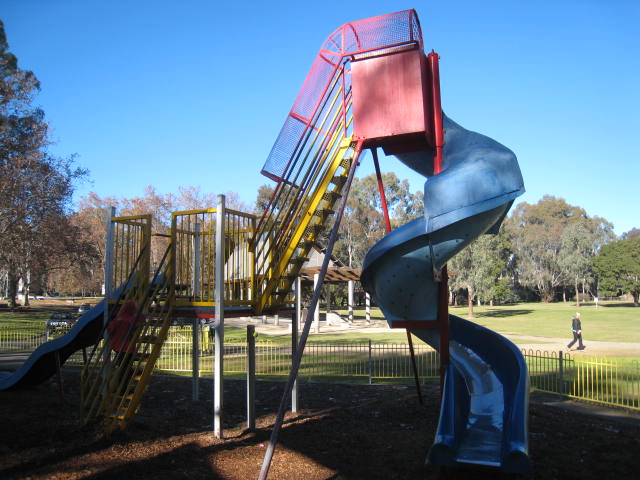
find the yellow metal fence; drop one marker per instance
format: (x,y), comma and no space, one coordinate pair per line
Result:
(131,250)
(194,232)
(608,381)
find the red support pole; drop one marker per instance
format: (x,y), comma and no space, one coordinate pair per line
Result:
(383,198)
(438,142)
(438,132)
(387,221)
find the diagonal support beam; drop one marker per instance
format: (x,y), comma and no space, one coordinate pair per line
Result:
(297,359)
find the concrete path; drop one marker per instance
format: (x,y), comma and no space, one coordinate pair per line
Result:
(528,342)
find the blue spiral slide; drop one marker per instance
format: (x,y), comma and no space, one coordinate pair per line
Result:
(483,416)
(42,363)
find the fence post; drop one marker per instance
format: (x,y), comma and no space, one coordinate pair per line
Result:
(560,373)
(370,363)
(251,377)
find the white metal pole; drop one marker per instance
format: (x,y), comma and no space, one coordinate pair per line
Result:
(108,283)
(350,299)
(327,292)
(195,350)
(218,370)
(251,377)
(367,302)
(295,322)
(316,313)
(108,261)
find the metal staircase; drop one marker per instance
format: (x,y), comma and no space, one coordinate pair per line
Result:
(291,247)
(113,383)
(310,161)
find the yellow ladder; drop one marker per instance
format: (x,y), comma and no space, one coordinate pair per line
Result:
(113,384)
(305,224)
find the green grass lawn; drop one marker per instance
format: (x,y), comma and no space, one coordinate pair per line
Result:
(610,322)
(31,316)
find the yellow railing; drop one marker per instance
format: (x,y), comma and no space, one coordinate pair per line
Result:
(300,207)
(608,381)
(194,234)
(131,250)
(605,380)
(130,276)
(114,382)
(602,380)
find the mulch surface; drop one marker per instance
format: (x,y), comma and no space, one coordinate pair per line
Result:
(341,432)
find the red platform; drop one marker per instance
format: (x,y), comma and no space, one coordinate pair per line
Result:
(391,101)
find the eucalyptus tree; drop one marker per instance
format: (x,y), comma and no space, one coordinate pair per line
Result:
(363,223)
(576,255)
(617,267)
(478,268)
(633,233)
(553,244)
(35,187)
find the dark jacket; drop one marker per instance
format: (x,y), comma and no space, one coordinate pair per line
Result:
(576,326)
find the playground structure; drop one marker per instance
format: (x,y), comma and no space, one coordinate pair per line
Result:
(371,86)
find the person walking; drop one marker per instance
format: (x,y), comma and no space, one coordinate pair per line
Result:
(576,328)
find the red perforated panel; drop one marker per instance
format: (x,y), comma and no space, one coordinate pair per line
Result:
(331,67)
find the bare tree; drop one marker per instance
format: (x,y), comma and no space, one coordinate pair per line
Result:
(35,187)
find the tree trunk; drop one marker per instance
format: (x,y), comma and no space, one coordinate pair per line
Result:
(25,288)
(12,284)
(470,301)
(577,293)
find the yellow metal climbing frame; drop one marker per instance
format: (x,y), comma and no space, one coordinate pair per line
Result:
(193,235)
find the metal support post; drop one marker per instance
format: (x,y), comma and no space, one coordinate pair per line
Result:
(108,261)
(218,371)
(560,373)
(108,284)
(297,360)
(370,362)
(195,350)
(295,322)
(316,312)
(327,292)
(350,299)
(251,377)
(367,308)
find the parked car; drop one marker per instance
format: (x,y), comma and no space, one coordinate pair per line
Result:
(61,320)
(84,308)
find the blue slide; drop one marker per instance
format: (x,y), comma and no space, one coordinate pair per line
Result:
(41,364)
(483,416)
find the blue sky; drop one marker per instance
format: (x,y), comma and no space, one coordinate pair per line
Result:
(194,92)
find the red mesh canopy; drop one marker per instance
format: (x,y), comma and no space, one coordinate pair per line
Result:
(354,38)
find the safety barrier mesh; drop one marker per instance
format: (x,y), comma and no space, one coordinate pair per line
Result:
(360,37)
